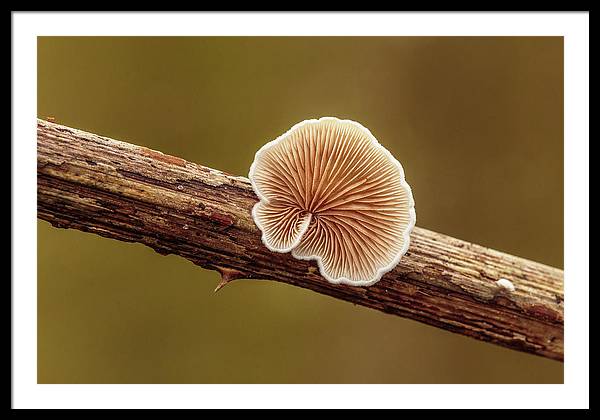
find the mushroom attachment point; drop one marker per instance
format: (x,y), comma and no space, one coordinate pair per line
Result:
(330,192)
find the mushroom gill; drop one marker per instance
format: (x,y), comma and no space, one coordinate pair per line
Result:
(330,192)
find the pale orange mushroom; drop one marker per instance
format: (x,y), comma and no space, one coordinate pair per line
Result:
(330,192)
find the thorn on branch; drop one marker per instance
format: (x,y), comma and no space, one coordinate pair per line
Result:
(227,275)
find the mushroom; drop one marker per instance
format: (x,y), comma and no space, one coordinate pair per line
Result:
(330,192)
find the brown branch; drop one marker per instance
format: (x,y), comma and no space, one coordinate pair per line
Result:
(131,193)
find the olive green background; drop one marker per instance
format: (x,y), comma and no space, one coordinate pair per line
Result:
(476,122)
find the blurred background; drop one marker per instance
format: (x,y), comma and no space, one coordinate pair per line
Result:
(477,123)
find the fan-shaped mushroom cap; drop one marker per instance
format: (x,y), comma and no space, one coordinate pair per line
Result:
(330,192)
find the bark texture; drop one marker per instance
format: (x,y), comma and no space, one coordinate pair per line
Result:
(131,193)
